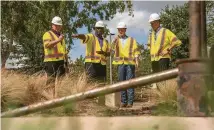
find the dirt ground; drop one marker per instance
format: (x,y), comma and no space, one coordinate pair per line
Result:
(89,107)
(142,106)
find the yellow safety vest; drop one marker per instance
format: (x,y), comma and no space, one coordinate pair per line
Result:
(125,55)
(93,45)
(164,40)
(55,53)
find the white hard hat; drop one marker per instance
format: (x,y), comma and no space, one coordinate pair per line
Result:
(154,17)
(57,20)
(121,25)
(99,24)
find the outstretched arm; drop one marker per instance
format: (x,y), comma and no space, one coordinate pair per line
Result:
(79,36)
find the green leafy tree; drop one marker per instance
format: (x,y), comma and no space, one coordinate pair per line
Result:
(78,65)
(210,22)
(12,20)
(144,62)
(25,22)
(176,19)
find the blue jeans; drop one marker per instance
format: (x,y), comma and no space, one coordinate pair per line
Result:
(126,72)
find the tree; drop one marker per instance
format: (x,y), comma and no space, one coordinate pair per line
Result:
(210,22)
(78,65)
(144,62)
(25,22)
(176,19)
(12,21)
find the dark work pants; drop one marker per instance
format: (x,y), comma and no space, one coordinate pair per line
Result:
(53,69)
(126,72)
(96,71)
(161,65)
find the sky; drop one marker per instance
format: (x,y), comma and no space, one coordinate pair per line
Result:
(137,26)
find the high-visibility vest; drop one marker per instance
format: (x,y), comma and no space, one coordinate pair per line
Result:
(93,45)
(55,53)
(125,54)
(164,40)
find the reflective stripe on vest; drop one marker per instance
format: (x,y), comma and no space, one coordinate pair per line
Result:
(95,58)
(107,48)
(92,56)
(53,55)
(87,37)
(162,42)
(131,47)
(150,41)
(125,59)
(56,54)
(55,47)
(47,40)
(117,58)
(93,47)
(174,40)
(117,48)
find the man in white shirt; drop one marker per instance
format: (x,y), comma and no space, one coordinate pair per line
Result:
(126,58)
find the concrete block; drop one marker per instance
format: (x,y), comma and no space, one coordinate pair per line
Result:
(112,100)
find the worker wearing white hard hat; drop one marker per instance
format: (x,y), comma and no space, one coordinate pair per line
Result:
(160,42)
(97,50)
(154,17)
(126,58)
(99,29)
(57,24)
(55,52)
(99,24)
(121,25)
(57,21)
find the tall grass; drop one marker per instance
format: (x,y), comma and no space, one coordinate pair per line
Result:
(18,89)
(166,98)
(166,92)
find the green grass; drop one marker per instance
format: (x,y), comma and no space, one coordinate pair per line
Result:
(165,109)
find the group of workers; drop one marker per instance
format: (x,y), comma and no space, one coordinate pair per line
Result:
(123,48)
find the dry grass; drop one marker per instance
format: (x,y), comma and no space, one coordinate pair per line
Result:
(166,92)
(13,87)
(71,84)
(22,89)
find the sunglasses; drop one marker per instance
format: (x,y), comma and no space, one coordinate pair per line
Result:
(98,28)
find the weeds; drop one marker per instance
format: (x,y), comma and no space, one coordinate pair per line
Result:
(20,89)
(166,98)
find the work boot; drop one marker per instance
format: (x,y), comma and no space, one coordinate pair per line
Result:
(129,105)
(123,105)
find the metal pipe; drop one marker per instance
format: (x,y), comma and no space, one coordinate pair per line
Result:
(203,29)
(192,71)
(144,80)
(195,29)
(110,60)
